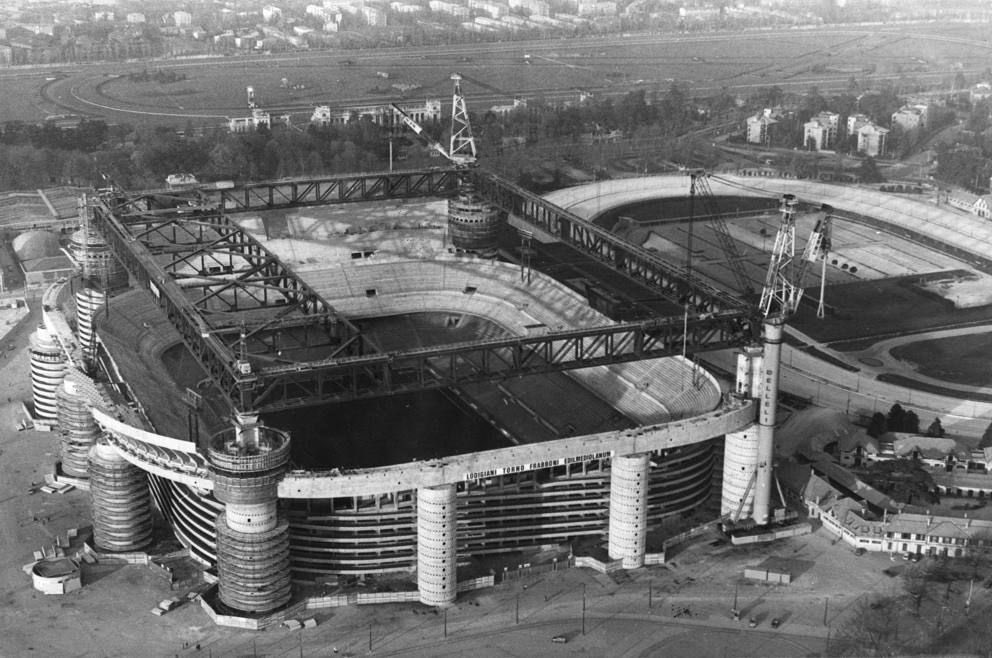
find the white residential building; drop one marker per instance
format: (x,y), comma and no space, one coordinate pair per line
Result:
(449,8)
(491,9)
(872,139)
(820,132)
(533,7)
(855,121)
(759,127)
(135,18)
(182,18)
(374,17)
(910,117)
(271,13)
(597,9)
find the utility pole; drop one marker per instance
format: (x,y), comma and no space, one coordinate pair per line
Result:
(583,608)
(517,617)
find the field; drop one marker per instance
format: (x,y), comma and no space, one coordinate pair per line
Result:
(553,69)
(960,359)
(865,311)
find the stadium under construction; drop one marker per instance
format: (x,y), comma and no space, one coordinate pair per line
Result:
(392,413)
(603,429)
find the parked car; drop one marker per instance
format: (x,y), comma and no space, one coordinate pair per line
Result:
(559,639)
(859,550)
(776,622)
(752,622)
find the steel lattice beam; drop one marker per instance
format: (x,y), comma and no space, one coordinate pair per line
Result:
(671,281)
(441,367)
(337,189)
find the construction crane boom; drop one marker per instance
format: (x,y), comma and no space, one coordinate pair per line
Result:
(699,187)
(461,149)
(419,130)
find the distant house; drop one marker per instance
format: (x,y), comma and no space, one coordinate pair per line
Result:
(820,132)
(980,92)
(911,117)
(857,525)
(872,139)
(759,127)
(977,204)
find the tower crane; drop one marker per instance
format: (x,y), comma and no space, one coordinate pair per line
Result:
(461,147)
(786,275)
(473,224)
(780,298)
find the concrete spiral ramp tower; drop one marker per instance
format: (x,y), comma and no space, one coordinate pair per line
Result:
(97,264)
(122,510)
(246,463)
(473,224)
(77,427)
(47,371)
(89,301)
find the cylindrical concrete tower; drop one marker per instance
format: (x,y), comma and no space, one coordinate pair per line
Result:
(247,463)
(77,427)
(740,454)
(628,528)
(740,457)
(768,404)
(47,371)
(89,302)
(473,224)
(122,509)
(96,262)
(437,550)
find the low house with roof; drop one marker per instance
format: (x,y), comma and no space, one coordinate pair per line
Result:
(977,204)
(894,528)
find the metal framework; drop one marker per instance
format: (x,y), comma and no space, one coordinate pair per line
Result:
(270,195)
(271,342)
(236,306)
(699,187)
(291,386)
(582,234)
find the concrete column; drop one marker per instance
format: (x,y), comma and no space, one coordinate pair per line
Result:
(740,457)
(78,429)
(437,549)
(629,509)
(47,371)
(122,507)
(89,302)
(768,403)
(246,463)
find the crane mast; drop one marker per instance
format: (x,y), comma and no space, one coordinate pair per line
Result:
(778,297)
(461,149)
(474,225)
